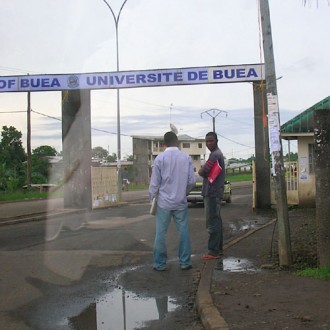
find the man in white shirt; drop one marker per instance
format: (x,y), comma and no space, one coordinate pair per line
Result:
(171,180)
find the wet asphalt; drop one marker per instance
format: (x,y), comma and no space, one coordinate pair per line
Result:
(11,213)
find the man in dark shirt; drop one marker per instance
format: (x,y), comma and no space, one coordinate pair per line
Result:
(213,193)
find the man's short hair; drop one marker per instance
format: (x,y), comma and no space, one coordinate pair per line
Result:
(170,139)
(212,134)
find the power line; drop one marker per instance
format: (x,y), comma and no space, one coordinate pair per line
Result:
(12,111)
(42,114)
(17,70)
(244,145)
(94,129)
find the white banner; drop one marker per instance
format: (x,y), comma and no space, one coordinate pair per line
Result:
(133,79)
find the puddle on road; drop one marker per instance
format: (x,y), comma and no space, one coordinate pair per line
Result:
(237,228)
(122,309)
(235,265)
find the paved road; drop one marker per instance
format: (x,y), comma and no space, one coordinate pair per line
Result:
(37,209)
(60,268)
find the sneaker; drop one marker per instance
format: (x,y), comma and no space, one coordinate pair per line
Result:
(160,269)
(187,267)
(209,257)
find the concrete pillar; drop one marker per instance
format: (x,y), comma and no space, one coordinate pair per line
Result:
(76,139)
(262,157)
(322,182)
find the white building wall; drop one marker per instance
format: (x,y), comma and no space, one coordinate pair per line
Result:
(306,177)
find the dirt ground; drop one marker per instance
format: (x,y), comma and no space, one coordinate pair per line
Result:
(265,297)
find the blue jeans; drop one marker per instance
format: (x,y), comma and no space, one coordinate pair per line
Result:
(163,218)
(212,206)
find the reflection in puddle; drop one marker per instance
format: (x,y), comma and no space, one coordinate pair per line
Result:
(122,309)
(237,228)
(235,265)
(125,310)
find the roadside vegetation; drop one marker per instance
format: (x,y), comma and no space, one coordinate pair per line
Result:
(322,273)
(239,177)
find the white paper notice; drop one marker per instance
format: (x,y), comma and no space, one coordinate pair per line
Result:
(273,123)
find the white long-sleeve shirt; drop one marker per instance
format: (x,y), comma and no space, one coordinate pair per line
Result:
(172,177)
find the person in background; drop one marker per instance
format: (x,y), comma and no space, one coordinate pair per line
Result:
(171,180)
(125,180)
(213,193)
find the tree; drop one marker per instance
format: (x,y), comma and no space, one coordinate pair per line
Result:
(293,156)
(40,163)
(112,157)
(99,152)
(44,151)
(12,158)
(129,158)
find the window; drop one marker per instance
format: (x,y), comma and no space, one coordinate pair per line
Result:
(311,158)
(185,145)
(200,145)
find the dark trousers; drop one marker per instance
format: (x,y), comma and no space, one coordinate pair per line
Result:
(212,206)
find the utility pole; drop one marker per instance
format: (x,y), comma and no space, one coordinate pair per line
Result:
(213,113)
(116,20)
(29,154)
(284,244)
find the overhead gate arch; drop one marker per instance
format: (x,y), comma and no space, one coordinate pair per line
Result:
(76,115)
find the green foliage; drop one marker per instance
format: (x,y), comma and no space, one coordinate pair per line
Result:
(293,157)
(129,158)
(38,177)
(44,151)
(99,152)
(239,177)
(40,163)
(322,273)
(112,158)
(138,187)
(12,158)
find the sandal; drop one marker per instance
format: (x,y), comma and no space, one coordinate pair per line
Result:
(209,257)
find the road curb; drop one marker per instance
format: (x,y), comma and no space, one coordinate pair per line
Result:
(209,314)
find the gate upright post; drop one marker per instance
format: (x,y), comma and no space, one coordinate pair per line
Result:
(262,160)
(76,140)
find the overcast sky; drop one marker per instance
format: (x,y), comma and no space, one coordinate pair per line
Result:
(78,36)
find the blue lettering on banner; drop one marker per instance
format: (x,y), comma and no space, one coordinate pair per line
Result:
(234,74)
(7,83)
(198,75)
(132,79)
(141,79)
(240,73)
(39,83)
(192,75)
(97,80)
(152,77)
(178,76)
(252,73)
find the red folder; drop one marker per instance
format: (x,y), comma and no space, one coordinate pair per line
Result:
(215,171)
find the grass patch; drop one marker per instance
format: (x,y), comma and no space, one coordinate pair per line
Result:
(29,194)
(21,195)
(133,187)
(239,177)
(322,273)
